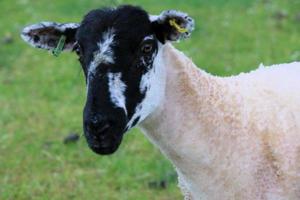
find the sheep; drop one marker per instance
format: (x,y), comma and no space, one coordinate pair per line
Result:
(228,137)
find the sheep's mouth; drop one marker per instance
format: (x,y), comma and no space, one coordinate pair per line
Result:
(105,146)
(104,150)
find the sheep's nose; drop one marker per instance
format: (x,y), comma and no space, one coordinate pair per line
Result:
(97,126)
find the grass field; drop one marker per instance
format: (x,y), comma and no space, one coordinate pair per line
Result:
(42,97)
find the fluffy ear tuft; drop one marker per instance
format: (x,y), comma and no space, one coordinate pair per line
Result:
(172,25)
(46,35)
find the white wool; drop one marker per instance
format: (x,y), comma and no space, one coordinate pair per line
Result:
(230,138)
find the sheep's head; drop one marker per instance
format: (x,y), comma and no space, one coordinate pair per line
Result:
(120,54)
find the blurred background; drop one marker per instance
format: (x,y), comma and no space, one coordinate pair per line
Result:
(42,97)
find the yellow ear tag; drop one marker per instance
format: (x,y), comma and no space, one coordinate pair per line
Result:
(173,23)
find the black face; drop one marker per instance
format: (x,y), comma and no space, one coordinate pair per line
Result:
(119,50)
(116,47)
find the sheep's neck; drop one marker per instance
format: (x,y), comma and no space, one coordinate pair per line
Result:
(179,125)
(200,126)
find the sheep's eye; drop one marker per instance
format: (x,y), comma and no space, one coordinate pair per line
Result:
(147,48)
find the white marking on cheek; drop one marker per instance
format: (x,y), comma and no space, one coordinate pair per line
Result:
(153,83)
(146,81)
(117,89)
(105,53)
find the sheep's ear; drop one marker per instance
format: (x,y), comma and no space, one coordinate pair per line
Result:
(46,35)
(172,25)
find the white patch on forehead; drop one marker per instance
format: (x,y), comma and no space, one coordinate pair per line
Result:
(153,83)
(105,53)
(117,89)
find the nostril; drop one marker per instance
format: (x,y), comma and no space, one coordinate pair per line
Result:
(95,119)
(101,132)
(103,128)
(97,125)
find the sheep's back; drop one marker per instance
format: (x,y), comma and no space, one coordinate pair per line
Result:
(270,103)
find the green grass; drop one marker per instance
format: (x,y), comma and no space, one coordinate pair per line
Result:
(42,97)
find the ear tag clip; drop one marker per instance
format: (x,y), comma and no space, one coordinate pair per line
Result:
(60,46)
(173,23)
